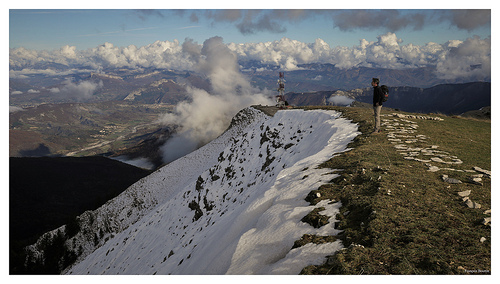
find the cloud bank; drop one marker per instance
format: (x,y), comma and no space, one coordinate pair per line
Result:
(469,59)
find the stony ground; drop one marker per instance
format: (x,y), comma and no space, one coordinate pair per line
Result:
(403,133)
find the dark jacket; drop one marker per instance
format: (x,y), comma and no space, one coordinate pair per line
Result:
(378,95)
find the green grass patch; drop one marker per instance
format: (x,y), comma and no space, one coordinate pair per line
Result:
(399,218)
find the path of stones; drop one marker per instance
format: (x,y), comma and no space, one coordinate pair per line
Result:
(403,133)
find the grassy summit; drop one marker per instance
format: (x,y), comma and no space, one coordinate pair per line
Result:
(397,216)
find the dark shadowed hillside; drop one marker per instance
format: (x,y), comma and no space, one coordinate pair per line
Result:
(447,99)
(45,193)
(308,99)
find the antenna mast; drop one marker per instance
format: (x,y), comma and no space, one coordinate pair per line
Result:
(281,90)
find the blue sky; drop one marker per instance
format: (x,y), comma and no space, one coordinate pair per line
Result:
(48,29)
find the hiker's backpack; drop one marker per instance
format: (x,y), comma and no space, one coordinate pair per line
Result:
(385,91)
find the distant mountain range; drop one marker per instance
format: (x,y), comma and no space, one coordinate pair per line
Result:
(170,86)
(321,77)
(446,98)
(113,103)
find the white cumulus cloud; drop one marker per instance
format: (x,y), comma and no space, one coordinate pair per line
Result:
(471,58)
(387,51)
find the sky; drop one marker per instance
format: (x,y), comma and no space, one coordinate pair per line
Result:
(456,40)
(49,29)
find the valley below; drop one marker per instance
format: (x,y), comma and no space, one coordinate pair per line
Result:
(84,129)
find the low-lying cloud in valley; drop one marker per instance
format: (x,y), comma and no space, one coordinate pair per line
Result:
(206,115)
(340,100)
(81,91)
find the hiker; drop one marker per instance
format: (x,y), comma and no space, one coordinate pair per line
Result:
(377,103)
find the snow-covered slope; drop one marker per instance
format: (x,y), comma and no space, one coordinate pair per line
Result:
(232,207)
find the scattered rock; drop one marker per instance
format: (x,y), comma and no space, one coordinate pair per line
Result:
(353,245)
(423,161)
(478,169)
(401,147)
(436,159)
(483,239)
(400,115)
(471,204)
(464,193)
(476,180)
(433,168)
(453,160)
(450,180)
(487,211)
(487,221)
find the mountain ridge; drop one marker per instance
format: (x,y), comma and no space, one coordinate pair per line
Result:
(201,199)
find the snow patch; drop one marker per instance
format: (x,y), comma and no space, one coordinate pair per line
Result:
(233,206)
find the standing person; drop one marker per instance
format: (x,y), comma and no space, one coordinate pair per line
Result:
(377,103)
